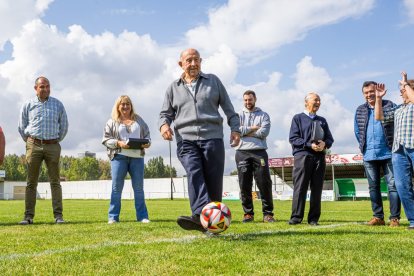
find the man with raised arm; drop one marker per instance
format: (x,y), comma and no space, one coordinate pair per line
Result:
(375,142)
(403,145)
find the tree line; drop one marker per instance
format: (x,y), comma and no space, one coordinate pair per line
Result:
(78,169)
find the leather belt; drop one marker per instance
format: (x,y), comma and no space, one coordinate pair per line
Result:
(40,142)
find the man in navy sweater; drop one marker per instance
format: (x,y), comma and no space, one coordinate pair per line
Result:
(309,136)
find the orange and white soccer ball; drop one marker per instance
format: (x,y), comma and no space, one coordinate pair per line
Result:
(215,217)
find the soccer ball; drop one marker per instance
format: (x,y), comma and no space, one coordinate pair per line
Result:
(215,217)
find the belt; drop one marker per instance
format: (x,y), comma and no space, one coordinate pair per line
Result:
(40,142)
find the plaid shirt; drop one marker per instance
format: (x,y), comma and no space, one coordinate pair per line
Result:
(43,120)
(403,116)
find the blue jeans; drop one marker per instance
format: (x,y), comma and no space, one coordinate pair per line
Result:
(403,161)
(120,165)
(203,161)
(372,170)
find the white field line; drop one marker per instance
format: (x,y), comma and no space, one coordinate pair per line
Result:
(186,239)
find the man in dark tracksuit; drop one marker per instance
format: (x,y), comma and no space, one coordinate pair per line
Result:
(309,159)
(252,159)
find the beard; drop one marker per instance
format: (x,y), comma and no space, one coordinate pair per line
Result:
(249,106)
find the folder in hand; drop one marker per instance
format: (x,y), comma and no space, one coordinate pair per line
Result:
(317,132)
(137,143)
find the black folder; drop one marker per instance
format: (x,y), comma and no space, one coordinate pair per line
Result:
(137,143)
(317,132)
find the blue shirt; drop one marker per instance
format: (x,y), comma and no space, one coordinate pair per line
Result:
(43,120)
(376,145)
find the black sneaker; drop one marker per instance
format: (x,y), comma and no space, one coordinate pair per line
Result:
(59,220)
(190,223)
(294,222)
(26,221)
(313,223)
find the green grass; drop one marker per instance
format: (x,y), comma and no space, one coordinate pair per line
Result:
(88,245)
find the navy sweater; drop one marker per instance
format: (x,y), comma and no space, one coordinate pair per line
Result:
(301,132)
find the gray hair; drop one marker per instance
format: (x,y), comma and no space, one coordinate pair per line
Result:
(307,97)
(189,49)
(41,77)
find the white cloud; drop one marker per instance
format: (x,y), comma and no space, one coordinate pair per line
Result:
(409,8)
(282,105)
(311,78)
(88,72)
(223,63)
(14,14)
(251,27)
(42,5)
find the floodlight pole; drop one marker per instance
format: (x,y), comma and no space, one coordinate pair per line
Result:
(171,177)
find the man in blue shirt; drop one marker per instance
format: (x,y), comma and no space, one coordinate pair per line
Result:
(375,140)
(43,124)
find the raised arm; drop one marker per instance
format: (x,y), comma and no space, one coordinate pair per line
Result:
(405,85)
(380,92)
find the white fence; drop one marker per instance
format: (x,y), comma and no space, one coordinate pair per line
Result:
(153,188)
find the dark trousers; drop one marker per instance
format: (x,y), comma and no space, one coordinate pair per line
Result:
(35,154)
(203,162)
(254,163)
(308,170)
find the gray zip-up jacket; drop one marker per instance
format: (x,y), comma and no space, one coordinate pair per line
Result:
(197,117)
(253,140)
(111,136)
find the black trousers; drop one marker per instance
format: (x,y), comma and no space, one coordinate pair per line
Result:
(254,163)
(308,171)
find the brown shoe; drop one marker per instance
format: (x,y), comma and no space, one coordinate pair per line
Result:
(269,219)
(394,222)
(248,218)
(376,221)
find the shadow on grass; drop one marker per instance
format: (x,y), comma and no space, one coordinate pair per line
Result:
(85,222)
(304,222)
(100,221)
(308,231)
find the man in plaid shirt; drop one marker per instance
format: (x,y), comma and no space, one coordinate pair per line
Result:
(403,145)
(43,124)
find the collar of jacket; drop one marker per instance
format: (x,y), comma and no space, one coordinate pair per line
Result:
(201,75)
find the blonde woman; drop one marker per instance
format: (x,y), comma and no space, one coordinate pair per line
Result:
(124,125)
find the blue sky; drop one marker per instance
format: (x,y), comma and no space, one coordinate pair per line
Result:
(94,51)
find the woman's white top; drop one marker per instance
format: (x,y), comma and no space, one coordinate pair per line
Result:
(126,132)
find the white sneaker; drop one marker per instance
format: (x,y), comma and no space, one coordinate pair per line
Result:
(112,221)
(145,220)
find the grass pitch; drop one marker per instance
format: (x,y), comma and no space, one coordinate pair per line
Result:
(87,245)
